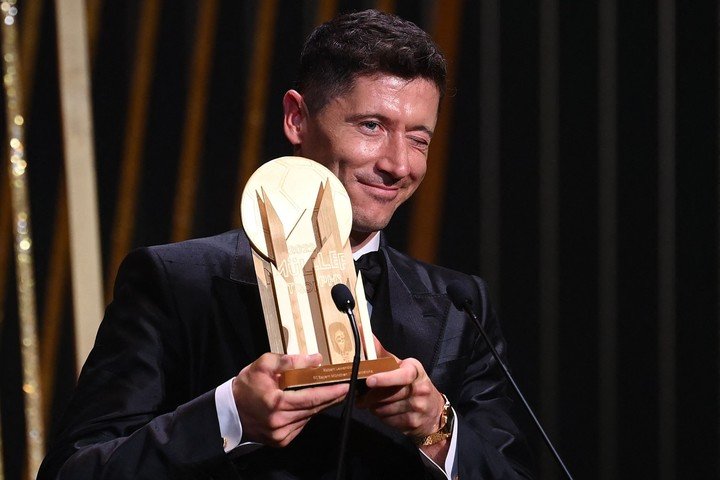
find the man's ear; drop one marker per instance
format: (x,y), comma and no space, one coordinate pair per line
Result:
(294,117)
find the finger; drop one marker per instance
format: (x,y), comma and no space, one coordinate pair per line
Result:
(390,409)
(406,422)
(281,437)
(292,362)
(314,398)
(291,416)
(388,395)
(405,374)
(282,419)
(379,396)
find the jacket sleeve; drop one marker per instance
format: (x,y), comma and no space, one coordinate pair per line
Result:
(124,421)
(490,445)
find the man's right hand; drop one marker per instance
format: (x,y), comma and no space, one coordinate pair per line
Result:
(270,415)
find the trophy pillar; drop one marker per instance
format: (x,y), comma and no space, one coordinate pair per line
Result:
(298,217)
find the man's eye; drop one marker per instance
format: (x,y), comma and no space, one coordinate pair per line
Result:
(372,126)
(420,142)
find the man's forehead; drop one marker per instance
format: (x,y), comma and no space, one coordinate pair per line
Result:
(382,79)
(364,89)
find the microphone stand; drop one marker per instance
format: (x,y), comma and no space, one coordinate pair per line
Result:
(463,302)
(345,303)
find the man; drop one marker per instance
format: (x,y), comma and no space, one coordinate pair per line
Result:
(160,395)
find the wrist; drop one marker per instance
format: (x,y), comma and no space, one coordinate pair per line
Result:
(444,430)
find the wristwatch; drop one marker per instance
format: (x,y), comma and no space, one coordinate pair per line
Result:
(447,419)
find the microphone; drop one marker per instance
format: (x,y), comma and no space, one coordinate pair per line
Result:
(343,299)
(461,296)
(345,302)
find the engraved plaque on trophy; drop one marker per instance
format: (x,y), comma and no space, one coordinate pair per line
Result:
(298,217)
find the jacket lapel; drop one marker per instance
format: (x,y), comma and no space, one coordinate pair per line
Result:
(418,315)
(237,303)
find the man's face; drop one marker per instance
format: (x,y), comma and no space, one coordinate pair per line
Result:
(375,139)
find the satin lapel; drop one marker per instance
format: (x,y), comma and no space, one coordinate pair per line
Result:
(238,305)
(418,315)
(237,302)
(243,270)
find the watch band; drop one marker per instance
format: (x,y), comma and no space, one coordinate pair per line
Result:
(447,419)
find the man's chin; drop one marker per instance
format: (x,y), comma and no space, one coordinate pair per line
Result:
(368,226)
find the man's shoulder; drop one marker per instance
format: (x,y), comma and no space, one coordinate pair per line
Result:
(189,259)
(204,251)
(423,277)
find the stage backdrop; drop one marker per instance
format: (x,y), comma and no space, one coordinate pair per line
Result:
(575,168)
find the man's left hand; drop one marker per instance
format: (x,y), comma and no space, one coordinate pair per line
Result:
(405,398)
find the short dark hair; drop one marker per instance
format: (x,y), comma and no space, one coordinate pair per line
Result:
(365,43)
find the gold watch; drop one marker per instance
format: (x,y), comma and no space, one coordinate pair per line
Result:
(447,419)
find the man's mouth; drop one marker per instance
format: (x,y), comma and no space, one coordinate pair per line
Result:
(380,190)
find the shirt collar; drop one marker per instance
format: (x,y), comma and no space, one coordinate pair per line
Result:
(372,246)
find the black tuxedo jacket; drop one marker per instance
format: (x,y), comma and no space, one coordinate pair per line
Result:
(186,317)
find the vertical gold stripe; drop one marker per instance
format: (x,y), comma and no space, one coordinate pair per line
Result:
(134,140)
(194,129)
(326,10)
(54,299)
(257,90)
(78,153)
(30,34)
(428,204)
(56,286)
(35,437)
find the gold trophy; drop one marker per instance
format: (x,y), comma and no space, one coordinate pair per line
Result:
(298,217)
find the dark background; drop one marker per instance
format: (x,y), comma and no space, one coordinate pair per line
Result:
(575,168)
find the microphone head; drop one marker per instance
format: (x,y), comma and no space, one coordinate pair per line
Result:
(460,294)
(342,297)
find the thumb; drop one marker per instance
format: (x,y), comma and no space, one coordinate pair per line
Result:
(291,362)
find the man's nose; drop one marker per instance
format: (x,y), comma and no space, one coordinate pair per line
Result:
(395,159)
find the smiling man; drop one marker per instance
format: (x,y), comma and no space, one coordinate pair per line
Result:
(374,138)
(179,384)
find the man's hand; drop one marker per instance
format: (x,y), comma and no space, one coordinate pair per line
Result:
(404,398)
(407,400)
(270,415)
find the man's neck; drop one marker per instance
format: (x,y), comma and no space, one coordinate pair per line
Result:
(359,239)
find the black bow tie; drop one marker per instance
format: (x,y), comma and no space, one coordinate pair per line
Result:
(372,266)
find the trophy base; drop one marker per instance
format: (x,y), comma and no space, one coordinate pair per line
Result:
(337,373)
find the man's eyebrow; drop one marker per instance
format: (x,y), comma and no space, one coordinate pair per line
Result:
(386,119)
(422,128)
